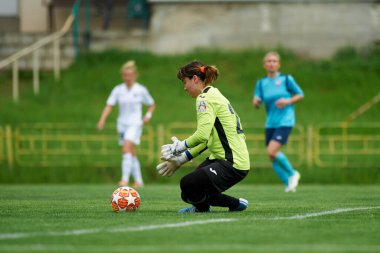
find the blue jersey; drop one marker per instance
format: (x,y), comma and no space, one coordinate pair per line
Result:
(269,90)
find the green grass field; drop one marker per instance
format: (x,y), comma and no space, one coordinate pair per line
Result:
(78,218)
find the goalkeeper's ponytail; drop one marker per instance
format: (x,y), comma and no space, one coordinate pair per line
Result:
(208,74)
(211,73)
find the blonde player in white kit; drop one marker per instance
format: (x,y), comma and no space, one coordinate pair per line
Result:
(130,96)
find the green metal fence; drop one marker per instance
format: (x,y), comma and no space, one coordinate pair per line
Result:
(47,145)
(52,145)
(337,145)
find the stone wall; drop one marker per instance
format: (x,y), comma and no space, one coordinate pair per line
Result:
(11,43)
(312,28)
(315,28)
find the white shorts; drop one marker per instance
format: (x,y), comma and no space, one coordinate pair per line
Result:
(129,132)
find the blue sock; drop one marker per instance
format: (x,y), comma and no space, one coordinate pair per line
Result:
(284,162)
(280,171)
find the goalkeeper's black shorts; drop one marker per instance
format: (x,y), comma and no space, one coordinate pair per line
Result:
(221,174)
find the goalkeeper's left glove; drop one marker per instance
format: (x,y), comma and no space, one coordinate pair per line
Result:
(170,150)
(168,167)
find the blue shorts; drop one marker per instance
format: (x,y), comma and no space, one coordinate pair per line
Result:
(279,134)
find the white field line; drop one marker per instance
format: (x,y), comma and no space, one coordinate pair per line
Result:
(115,230)
(335,211)
(174,225)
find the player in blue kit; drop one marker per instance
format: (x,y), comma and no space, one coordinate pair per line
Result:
(278,92)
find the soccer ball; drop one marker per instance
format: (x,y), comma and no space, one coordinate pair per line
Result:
(125,199)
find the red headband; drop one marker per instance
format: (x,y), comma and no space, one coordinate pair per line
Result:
(202,69)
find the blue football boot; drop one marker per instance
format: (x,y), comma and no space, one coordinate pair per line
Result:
(191,209)
(243,204)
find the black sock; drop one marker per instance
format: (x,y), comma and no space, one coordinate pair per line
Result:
(201,204)
(223,200)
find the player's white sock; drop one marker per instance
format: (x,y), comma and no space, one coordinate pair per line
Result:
(126,166)
(136,171)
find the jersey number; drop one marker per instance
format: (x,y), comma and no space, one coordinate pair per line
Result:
(238,126)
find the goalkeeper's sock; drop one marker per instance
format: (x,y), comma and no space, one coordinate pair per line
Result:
(280,171)
(223,200)
(201,204)
(126,166)
(136,172)
(284,162)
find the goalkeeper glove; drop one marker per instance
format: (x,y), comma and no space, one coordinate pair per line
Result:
(170,150)
(168,167)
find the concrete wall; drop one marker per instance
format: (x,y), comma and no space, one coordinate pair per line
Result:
(311,28)
(33,16)
(315,28)
(11,43)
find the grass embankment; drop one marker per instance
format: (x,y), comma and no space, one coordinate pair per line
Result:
(333,89)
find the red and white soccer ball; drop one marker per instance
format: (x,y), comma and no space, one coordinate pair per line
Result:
(125,199)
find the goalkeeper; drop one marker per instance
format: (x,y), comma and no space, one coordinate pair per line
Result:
(219,130)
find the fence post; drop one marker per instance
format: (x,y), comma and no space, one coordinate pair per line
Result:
(87,26)
(345,141)
(57,56)
(8,137)
(309,147)
(36,73)
(160,139)
(15,81)
(75,28)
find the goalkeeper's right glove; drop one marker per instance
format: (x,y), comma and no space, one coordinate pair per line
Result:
(168,167)
(174,149)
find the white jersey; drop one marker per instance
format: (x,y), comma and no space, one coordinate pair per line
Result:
(130,103)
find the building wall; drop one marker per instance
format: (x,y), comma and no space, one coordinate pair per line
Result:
(314,28)
(9,20)
(33,16)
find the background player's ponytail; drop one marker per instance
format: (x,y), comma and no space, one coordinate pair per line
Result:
(208,74)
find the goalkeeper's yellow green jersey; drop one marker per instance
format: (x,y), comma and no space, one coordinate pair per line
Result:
(219,130)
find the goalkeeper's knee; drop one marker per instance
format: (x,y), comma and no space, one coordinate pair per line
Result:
(192,191)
